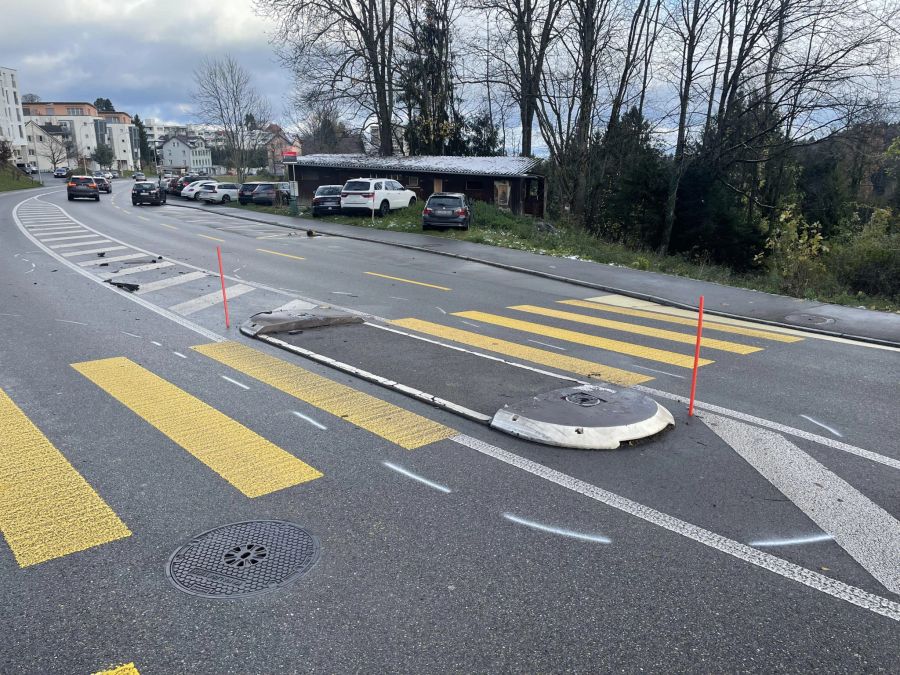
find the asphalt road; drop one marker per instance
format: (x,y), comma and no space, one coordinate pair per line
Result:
(710,547)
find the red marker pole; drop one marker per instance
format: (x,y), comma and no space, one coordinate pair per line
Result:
(696,357)
(224,297)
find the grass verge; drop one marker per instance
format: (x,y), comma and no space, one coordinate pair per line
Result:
(13,179)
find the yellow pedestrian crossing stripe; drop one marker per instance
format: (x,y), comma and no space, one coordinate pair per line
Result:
(659,315)
(674,336)
(395,424)
(248,461)
(47,509)
(562,362)
(649,353)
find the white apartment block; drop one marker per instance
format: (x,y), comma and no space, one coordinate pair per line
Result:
(156,130)
(189,155)
(12,125)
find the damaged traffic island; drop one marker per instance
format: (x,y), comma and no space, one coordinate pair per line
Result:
(566,412)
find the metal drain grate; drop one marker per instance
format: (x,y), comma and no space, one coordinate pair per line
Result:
(243,559)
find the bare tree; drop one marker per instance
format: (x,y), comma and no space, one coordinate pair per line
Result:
(56,151)
(225,97)
(344,51)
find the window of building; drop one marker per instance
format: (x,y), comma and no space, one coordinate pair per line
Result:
(75,111)
(51,110)
(29,138)
(40,138)
(412,181)
(30,151)
(26,111)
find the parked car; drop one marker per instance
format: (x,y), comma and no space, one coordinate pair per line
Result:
(381,194)
(245,194)
(60,172)
(327,199)
(219,193)
(190,190)
(183,182)
(115,174)
(139,175)
(147,192)
(268,194)
(447,209)
(170,185)
(82,186)
(103,184)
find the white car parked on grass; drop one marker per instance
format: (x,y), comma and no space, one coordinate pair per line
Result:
(381,194)
(190,191)
(219,193)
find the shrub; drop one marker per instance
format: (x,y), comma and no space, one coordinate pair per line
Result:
(869,262)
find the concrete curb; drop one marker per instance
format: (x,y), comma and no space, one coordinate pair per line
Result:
(575,282)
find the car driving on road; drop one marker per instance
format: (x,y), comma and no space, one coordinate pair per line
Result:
(103,184)
(447,209)
(60,172)
(147,192)
(82,187)
(379,194)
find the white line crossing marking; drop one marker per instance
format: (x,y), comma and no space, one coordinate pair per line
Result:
(546,344)
(234,382)
(862,528)
(309,419)
(117,258)
(654,370)
(81,243)
(107,249)
(171,281)
(833,587)
(67,238)
(824,426)
(557,530)
(424,481)
(209,300)
(135,270)
(59,230)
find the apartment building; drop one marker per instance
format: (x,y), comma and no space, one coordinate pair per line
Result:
(12,124)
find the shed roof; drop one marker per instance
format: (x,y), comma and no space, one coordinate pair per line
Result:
(479,166)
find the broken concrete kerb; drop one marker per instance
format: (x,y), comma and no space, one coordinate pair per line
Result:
(589,417)
(286,320)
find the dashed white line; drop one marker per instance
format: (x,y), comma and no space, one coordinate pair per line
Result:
(442,311)
(469,323)
(180,355)
(234,382)
(125,332)
(78,323)
(812,539)
(545,344)
(424,481)
(154,342)
(310,420)
(661,372)
(558,530)
(824,426)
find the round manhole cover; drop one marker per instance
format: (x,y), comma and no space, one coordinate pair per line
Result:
(584,399)
(809,319)
(243,559)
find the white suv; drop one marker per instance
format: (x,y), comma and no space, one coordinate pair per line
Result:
(378,194)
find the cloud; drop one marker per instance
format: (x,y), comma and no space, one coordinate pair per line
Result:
(140,54)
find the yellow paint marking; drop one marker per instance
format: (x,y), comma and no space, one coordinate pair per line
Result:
(409,281)
(125,669)
(391,422)
(245,459)
(206,236)
(680,320)
(685,338)
(286,255)
(649,353)
(560,362)
(171,227)
(47,509)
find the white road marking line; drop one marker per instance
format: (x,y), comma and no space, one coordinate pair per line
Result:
(394,297)
(209,300)
(824,426)
(442,311)
(131,334)
(557,530)
(545,344)
(80,243)
(812,539)
(8,314)
(306,418)
(154,342)
(424,481)
(469,323)
(72,254)
(78,323)
(776,426)
(117,258)
(234,382)
(342,293)
(135,270)
(58,230)
(41,231)
(820,582)
(654,370)
(862,528)
(171,281)
(180,355)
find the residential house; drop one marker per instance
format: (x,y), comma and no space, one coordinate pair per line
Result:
(183,154)
(46,146)
(277,146)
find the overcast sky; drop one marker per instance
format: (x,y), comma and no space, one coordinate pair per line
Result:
(140,54)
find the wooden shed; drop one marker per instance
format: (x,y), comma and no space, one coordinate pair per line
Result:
(504,181)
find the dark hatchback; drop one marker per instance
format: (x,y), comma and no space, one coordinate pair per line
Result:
(269,194)
(102,184)
(147,192)
(447,209)
(82,186)
(245,194)
(327,200)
